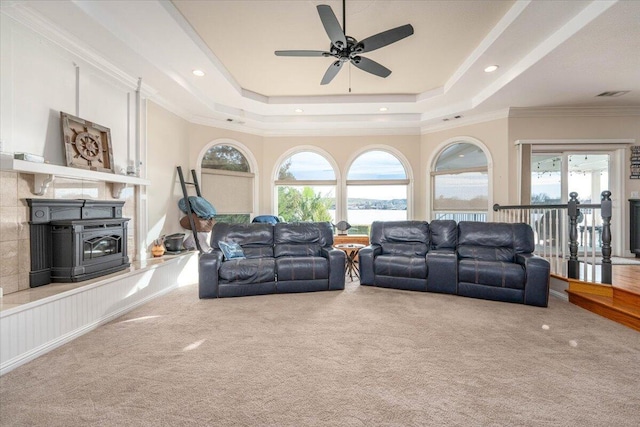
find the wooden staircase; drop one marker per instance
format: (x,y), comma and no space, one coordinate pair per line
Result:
(619,302)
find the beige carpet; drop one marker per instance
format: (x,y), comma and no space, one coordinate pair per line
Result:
(361,357)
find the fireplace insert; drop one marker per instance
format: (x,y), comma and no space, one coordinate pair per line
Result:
(76,240)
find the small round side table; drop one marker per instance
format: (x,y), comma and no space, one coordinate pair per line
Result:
(351,249)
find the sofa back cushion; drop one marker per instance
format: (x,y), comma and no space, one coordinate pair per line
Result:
(491,241)
(404,238)
(443,234)
(302,238)
(255,239)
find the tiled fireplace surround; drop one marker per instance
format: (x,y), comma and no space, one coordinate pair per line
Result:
(15,188)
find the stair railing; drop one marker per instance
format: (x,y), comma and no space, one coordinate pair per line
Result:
(582,229)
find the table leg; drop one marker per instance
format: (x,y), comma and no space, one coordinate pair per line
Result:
(352,267)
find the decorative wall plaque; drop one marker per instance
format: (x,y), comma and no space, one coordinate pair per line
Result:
(635,162)
(87,145)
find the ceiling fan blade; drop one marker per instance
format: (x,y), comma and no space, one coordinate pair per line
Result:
(301,53)
(331,72)
(332,26)
(370,66)
(384,38)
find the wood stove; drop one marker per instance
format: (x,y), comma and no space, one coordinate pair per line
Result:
(76,240)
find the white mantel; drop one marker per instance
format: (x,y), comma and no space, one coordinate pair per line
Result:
(45,174)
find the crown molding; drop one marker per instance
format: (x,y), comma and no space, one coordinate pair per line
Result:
(325,128)
(400,131)
(593,111)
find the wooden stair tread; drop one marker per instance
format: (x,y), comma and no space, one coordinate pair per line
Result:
(619,302)
(607,306)
(626,297)
(609,301)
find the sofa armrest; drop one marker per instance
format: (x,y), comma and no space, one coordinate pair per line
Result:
(442,271)
(536,287)
(208,266)
(366,257)
(337,262)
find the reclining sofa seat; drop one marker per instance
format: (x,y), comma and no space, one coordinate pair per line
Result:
(411,255)
(495,261)
(284,257)
(254,275)
(305,258)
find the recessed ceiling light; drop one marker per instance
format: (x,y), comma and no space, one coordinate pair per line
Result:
(383,109)
(299,110)
(198,73)
(460,155)
(491,68)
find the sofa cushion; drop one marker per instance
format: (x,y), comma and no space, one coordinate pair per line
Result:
(491,273)
(405,249)
(403,238)
(297,250)
(258,252)
(302,238)
(518,237)
(257,270)
(302,268)
(443,234)
(401,266)
(255,239)
(486,253)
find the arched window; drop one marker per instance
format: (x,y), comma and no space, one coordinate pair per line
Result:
(377,187)
(225,157)
(460,182)
(227,182)
(306,188)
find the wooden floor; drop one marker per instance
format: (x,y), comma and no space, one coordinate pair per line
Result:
(619,301)
(627,277)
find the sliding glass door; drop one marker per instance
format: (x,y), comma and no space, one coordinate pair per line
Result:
(555,175)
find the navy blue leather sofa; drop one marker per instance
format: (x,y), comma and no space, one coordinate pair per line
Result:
(285,257)
(476,259)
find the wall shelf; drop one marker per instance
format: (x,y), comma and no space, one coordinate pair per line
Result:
(45,174)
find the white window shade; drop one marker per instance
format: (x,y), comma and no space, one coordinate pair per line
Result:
(229,192)
(461,192)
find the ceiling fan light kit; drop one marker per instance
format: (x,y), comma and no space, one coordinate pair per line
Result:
(347,49)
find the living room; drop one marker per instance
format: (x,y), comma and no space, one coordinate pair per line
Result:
(128,67)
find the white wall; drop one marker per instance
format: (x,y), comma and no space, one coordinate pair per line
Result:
(167,148)
(39,80)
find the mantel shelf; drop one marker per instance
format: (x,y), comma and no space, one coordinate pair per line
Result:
(45,173)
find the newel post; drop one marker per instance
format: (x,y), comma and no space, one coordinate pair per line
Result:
(605,211)
(572,208)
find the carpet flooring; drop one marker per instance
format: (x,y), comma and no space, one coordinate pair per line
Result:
(360,357)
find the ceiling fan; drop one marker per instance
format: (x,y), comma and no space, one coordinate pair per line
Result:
(347,49)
